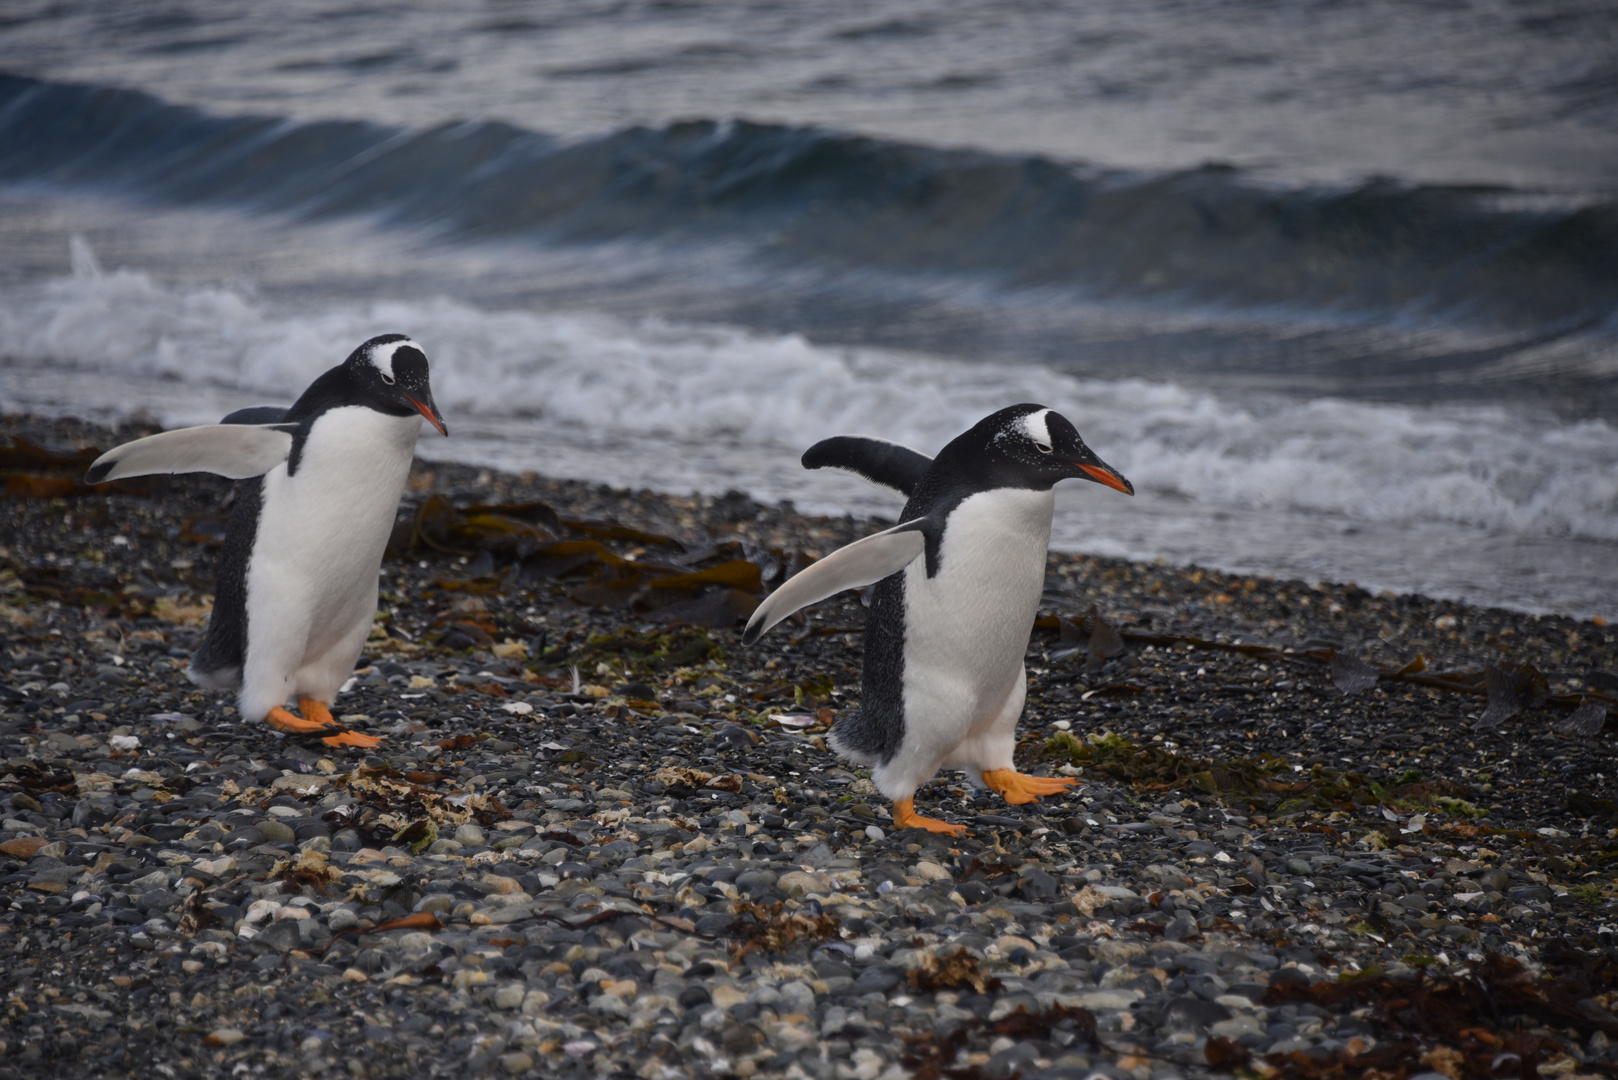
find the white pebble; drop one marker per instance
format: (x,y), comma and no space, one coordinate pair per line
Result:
(260,910)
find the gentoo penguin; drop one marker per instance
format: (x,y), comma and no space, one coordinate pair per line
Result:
(297,582)
(958,583)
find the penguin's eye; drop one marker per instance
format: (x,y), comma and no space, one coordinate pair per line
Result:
(388,379)
(1042,448)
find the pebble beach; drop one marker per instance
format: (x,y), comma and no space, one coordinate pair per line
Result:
(1317,831)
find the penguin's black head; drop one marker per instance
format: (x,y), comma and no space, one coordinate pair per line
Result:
(390,375)
(1032,446)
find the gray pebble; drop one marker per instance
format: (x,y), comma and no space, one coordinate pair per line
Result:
(276,832)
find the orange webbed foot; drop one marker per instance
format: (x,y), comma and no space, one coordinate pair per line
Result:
(282,720)
(1018,787)
(317,718)
(905,817)
(352,738)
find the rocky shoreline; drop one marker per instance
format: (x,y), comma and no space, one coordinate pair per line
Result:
(603,838)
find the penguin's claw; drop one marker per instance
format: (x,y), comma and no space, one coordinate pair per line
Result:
(1019,787)
(905,817)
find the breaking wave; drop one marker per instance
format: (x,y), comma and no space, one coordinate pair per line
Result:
(1486,256)
(676,389)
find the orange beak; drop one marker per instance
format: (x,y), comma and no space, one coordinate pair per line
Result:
(430,411)
(1101,474)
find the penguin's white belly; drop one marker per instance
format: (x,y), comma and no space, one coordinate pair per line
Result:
(966,629)
(312,576)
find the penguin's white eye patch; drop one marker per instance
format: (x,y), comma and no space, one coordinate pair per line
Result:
(382,357)
(1037,430)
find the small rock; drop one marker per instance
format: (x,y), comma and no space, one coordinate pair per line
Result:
(726,996)
(516,1063)
(225,1036)
(1236,1027)
(796,882)
(880,979)
(1190,1011)
(500,885)
(1180,927)
(24,847)
(276,832)
(470,835)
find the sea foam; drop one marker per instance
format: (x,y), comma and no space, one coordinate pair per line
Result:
(666,385)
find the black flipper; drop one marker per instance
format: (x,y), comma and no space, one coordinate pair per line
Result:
(886,463)
(257,414)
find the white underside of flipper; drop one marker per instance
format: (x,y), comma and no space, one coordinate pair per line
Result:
(862,563)
(312,576)
(966,632)
(234,450)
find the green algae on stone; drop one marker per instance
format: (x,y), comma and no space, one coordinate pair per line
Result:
(649,652)
(1267,782)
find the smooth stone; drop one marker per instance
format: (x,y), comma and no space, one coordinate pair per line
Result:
(1102,999)
(796,882)
(727,996)
(276,832)
(516,1063)
(470,835)
(1192,1011)
(24,847)
(1237,1027)
(879,979)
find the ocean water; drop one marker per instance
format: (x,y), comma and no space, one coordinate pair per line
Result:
(1336,285)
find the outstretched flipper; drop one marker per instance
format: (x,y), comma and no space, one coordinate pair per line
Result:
(234,450)
(878,460)
(1018,787)
(317,718)
(862,563)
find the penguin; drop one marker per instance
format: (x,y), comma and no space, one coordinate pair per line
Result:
(297,585)
(958,583)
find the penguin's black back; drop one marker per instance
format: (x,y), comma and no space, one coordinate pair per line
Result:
(879,728)
(225,646)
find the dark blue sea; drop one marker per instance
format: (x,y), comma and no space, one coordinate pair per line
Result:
(1335,284)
